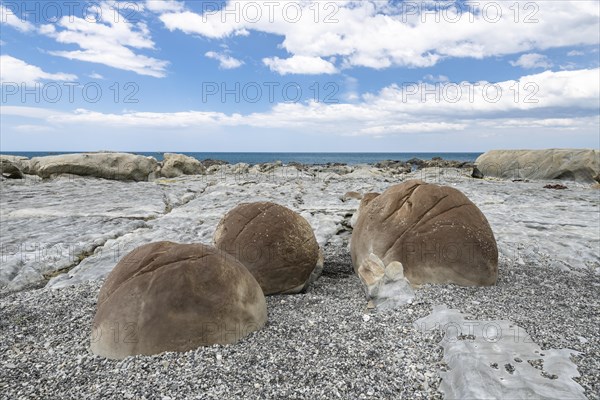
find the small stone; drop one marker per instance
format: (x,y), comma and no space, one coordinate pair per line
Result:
(366,317)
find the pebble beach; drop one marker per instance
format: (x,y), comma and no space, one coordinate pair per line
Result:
(325,343)
(321,344)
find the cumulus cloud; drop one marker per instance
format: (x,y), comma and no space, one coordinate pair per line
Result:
(163,5)
(225,61)
(18,71)
(532,60)
(9,16)
(531,101)
(300,65)
(108,40)
(384,34)
(436,78)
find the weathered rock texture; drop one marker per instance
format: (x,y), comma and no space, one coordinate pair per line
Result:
(114,166)
(386,287)
(175,165)
(166,296)
(276,244)
(9,170)
(365,200)
(19,161)
(566,164)
(435,232)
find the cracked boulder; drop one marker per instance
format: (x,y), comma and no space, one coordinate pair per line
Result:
(175,165)
(364,202)
(166,296)
(435,232)
(276,244)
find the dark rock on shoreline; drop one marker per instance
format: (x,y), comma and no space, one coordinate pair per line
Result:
(558,186)
(417,163)
(477,174)
(10,170)
(209,162)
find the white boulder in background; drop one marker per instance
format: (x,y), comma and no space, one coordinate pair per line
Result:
(581,165)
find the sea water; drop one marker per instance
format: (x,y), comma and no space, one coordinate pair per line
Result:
(304,158)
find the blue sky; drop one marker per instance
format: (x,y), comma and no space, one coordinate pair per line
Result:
(299,75)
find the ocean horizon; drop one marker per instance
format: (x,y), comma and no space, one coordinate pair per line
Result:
(285,157)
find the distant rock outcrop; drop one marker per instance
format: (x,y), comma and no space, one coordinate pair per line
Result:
(114,166)
(477,174)
(435,232)
(166,296)
(9,170)
(175,165)
(579,165)
(22,163)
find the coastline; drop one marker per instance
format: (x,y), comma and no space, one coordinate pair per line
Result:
(307,158)
(62,235)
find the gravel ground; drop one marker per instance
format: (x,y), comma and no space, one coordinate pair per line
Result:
(316,345)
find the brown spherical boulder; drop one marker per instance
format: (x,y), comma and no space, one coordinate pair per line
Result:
(166,296)
(436,232)
(276,244)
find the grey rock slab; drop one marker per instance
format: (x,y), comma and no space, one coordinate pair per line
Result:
(565,164)
(107,165)
(110,218)
(50,226)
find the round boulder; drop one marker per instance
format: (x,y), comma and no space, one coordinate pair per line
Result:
(175,165)
(166,296)
(436,232)
(276,244)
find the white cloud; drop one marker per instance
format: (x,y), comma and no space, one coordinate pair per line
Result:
(8,16)
(394,110)
(379,34)
(412,127)
(95,76)
(300,65)
(558,123)
(568,66)
(575,53)
(18,71)
(436,78)
(351,89)
(532,60)
(108,41)
(225,60)
(30,112)
(33,128)
(163,5)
